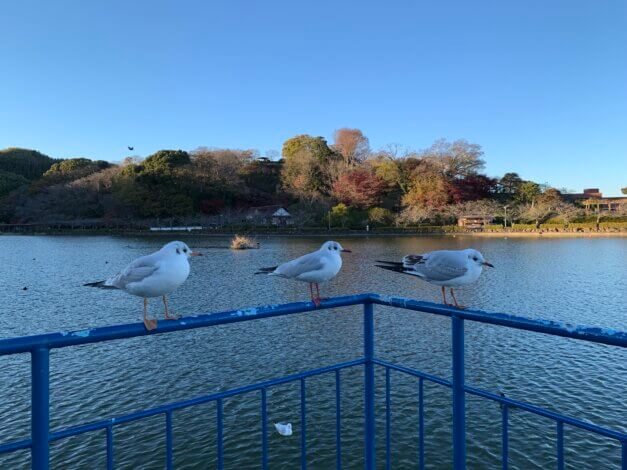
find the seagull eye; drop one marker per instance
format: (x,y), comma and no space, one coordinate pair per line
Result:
(184,250)
(475,258)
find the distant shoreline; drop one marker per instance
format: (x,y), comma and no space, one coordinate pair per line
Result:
(333,233)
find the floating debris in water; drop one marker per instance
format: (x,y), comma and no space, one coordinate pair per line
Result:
(24,288)
(284,429)
(241,242)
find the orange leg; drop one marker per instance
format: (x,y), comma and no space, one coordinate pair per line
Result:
(316,299)
(167,314)
(148,323)
(444,296)
(455,300)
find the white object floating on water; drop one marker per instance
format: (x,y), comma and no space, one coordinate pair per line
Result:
(284,429)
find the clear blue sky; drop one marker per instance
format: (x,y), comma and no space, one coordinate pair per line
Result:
(541,85)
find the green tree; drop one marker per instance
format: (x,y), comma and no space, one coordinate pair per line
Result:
(624,190)
(68,170)
(309,166)
(10,182)
(380,216)
(30,164)
(165,160)
(509,183)
(160,186)
(69,166)
(262,180)
(340,215)
(527,192)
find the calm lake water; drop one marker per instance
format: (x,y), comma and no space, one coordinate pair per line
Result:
(575,280)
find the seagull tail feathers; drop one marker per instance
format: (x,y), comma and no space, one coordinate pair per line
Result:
(269,270)
(99,284)
(392,263)
(397,268)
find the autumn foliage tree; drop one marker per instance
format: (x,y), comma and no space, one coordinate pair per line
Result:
(429,189)
(359,187)
(352,144)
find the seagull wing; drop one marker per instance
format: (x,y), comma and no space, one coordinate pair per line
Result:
(410,260)
(137,271)
(305,264)
(441,265)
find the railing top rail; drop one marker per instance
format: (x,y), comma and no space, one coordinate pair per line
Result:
(130,330)
(593,334)
(108,333)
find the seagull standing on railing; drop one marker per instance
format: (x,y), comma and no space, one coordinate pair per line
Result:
(320,266)
(154,275)
(445,268)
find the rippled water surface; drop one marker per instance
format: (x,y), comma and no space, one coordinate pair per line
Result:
(575,280)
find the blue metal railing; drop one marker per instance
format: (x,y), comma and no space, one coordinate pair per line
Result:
(39,347)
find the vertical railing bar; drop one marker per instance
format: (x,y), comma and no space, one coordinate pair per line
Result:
(264,429)
(40,408)
(421,423)
(459,399)
(560,445)
(220,437)
(169,458)
(388,437)
(110,447)
(303,426)
(338,421)
(505,435)
(369,418)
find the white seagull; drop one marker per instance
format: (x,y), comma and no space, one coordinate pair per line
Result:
(445,268)
(154,275)
(319,266)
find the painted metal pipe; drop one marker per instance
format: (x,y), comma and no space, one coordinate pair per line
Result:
(369,416)
(459,395)
(40,408)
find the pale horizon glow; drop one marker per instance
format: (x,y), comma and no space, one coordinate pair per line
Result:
(539,85)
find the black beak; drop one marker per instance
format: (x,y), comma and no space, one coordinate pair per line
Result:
(346,251)
(485,263)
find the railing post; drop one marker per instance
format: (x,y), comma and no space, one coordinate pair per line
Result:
(40,408)
(459,398)
(369,424)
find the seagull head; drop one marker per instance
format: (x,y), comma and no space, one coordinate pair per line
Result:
(333,247)
(475,257)
(180,249)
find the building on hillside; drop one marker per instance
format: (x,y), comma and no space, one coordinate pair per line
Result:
(593,201)
(269,215)
(473,222)
(589,193)
(605,204)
